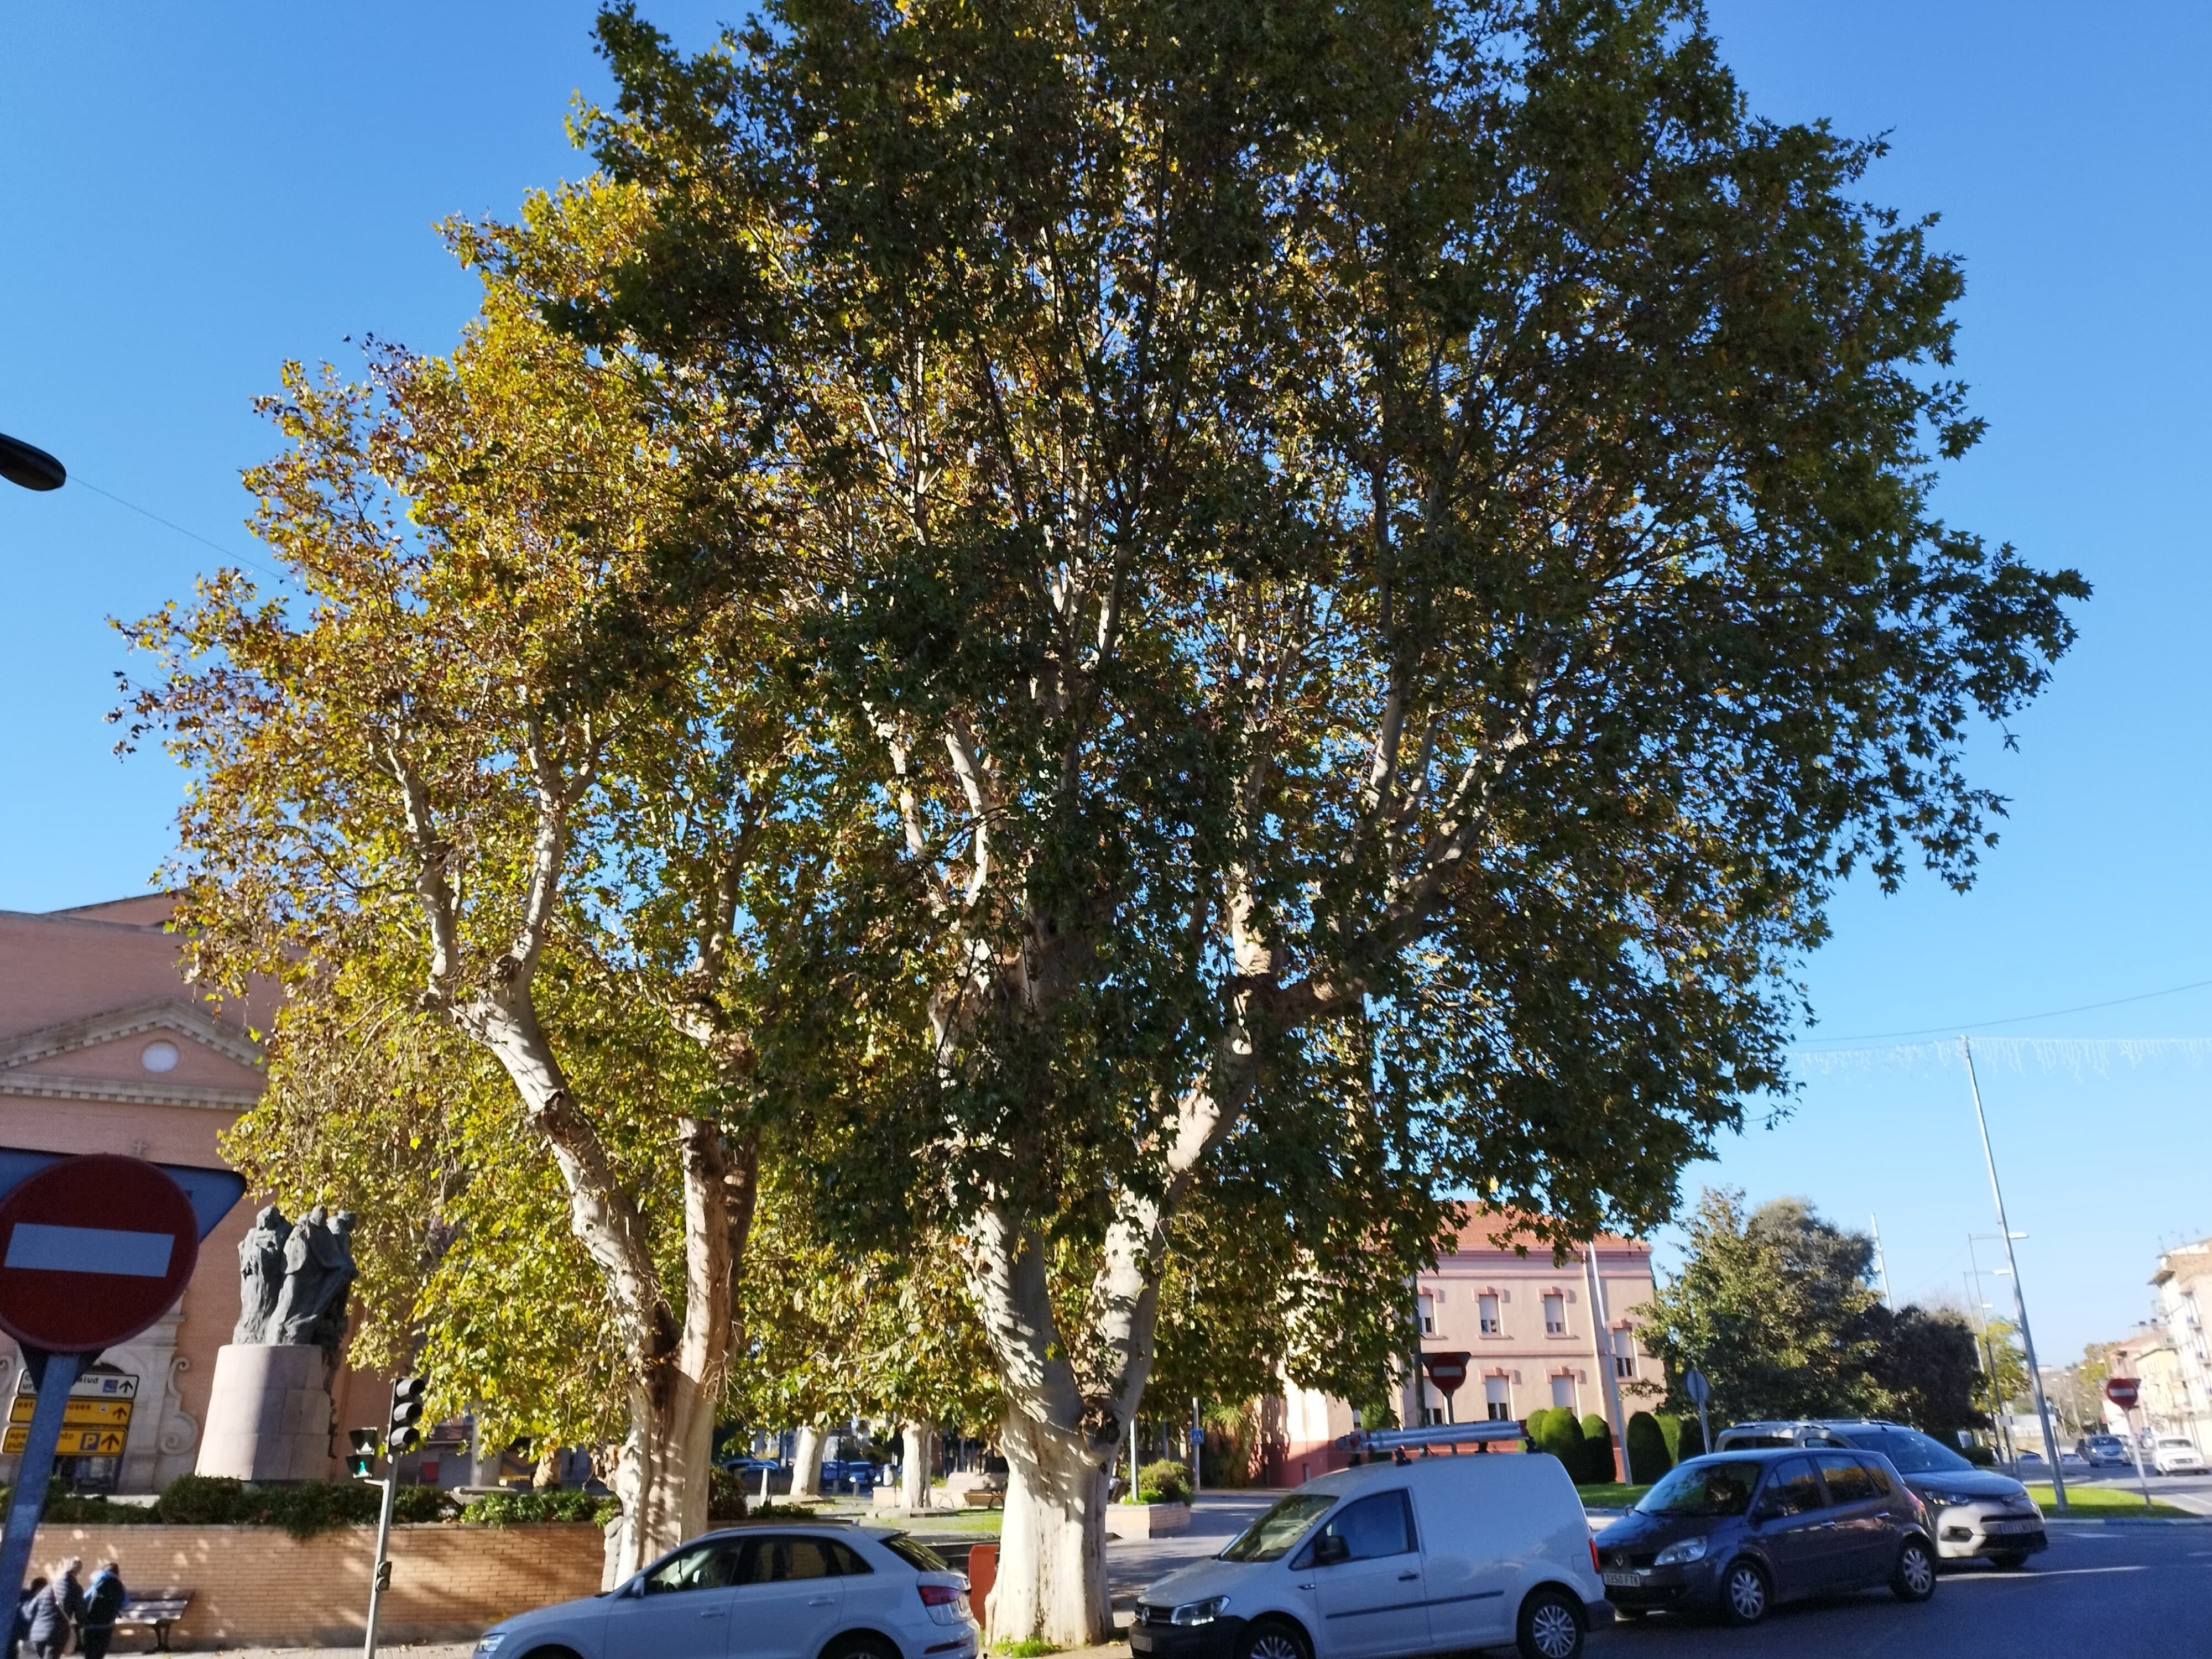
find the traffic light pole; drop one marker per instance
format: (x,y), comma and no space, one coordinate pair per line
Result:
(380,1576)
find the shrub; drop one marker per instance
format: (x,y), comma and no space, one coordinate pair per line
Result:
(1648,1455)
(1599,1464)
(511,1509)
(302,1510)
(1981,1456)
(1164,1482)
(1692,1442)
(413,1505)
(1554,1430)
(725,1496)
(201,1500)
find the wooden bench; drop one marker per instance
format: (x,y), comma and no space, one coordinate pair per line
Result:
(155,1614)
(984,1498)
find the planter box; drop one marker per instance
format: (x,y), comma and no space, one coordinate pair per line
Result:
(1144,1520)
(260,1586)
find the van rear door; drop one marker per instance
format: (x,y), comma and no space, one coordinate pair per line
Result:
(1470,1566)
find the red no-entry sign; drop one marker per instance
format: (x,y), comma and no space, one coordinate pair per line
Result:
(2122,1391)
(93,1250)
(1446,1370)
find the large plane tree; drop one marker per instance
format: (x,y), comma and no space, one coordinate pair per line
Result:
(1377,563)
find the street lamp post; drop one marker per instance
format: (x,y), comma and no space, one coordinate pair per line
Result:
(2019,1297)
(30,466)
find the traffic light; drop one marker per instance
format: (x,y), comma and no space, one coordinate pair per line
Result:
(360,1463)
(407,1411)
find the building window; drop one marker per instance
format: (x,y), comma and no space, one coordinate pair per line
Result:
(1555,1314)
(1430,1414)
(1563,1390)
(1496,1399)
(1488,1305)
(1428,1311)
(1624,1352)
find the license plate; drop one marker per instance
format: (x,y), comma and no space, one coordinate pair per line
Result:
(1140,1639)
(1626,1580)
(1998,1527)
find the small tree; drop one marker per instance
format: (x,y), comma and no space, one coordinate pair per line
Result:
(1599,1465)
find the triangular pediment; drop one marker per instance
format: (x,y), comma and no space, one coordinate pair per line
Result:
(165,1051)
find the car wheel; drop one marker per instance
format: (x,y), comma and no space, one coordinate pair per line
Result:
(1745,1594)
(1274,1639)
(1915,1577)
(1551,1625)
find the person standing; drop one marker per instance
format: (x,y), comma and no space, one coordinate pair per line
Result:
(103,1605)
(21,1627)
(54,1610)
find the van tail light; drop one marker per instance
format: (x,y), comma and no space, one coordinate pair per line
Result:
(939,1595)
(1594,1565)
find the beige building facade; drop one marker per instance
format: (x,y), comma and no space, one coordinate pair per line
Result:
(1536,1335)
(104,1048)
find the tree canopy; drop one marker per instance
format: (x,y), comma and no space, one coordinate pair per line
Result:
(1778,1310)
(1377,563)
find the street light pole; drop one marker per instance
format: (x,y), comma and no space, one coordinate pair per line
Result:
(2019,1295)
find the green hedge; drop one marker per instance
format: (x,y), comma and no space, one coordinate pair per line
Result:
(1598,1462)
(509,1509)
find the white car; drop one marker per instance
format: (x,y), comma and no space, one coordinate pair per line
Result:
(2177,1455)
(763,1591)
(1434,1555)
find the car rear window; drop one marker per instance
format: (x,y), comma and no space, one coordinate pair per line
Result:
(915,1553)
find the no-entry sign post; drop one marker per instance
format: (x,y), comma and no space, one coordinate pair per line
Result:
(2124,1391)
(1447,1371)
(93,1250)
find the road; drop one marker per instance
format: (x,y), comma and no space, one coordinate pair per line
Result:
(2114,1592)
(2125,1592)
(2183,1491)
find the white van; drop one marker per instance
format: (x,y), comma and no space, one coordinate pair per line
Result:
(1391,1560)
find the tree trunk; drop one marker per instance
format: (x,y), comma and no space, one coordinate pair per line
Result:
(918,1443)
(548,1472)
(665,1470)
(1052,1549)
(807,1464)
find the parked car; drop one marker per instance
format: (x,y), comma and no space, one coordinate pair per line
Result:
(2178,1454)
(795,1591)
(1735,1532)
(2104,1450)
(1973,1512)
(1391,1560)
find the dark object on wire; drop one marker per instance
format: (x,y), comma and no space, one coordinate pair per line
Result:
(33,469)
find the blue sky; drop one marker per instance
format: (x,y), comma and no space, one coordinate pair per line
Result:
(196,194)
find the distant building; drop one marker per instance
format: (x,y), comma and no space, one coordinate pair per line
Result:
(1536,1336)
(2183,1284)
(105,1048)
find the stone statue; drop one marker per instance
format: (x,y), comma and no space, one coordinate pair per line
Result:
(260,1274)
(293,1278)
(319,1270)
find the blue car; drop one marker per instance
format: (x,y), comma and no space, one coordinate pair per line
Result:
(1734,1532)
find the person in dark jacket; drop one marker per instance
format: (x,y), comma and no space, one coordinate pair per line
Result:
(103,1604)
(54,1609)
(21,1627)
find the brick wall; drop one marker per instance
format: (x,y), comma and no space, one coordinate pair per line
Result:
(258,1586)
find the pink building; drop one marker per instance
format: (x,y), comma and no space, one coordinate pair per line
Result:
(105,1048)
(1535,1335)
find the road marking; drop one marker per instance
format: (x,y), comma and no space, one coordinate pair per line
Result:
(2029,1575)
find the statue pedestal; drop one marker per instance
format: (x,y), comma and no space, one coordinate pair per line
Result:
(269,1413)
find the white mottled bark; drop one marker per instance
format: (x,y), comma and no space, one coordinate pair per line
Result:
(807,1464)
(919,1442)
(1052,1548)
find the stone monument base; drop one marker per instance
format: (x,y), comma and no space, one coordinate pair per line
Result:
(269,1413)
